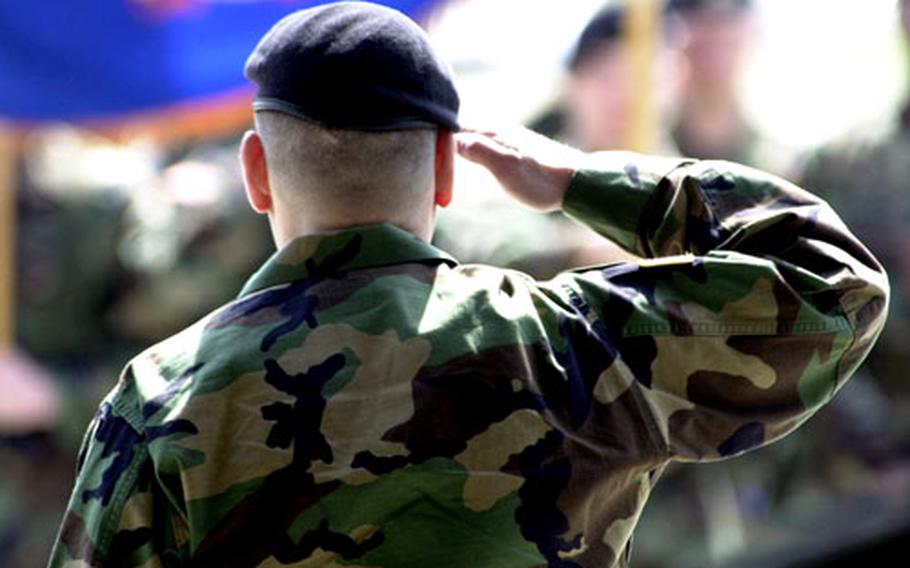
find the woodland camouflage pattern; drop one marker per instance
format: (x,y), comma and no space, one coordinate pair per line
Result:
(367,401)
(866,176)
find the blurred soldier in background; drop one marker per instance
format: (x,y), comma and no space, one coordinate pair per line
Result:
(593,114)
(710,121)
(595,110)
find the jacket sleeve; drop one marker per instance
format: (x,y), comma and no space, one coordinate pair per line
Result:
(115,505)
(751,308)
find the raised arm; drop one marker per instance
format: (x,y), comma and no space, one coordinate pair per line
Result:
(754,305)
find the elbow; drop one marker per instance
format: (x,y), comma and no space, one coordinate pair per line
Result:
(867,319)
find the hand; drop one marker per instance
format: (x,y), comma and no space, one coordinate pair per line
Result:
(535,170)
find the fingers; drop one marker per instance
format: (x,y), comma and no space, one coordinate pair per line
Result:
(485,149)
(531,168)
(469,130)
(507,140)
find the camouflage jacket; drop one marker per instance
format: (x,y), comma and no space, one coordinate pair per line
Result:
(866,176)
(367,401)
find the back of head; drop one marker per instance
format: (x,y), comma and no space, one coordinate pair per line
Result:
(351,95)
(347,172)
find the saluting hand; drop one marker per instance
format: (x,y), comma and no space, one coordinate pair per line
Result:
(535,170)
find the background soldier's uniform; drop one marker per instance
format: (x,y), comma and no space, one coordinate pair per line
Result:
(368,401)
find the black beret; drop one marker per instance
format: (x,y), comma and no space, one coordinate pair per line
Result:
(355,66)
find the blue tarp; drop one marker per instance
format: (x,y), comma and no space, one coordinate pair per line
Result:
(90,59)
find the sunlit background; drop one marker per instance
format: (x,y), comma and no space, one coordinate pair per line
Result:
(819,67)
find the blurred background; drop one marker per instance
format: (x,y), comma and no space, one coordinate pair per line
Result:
(122,217)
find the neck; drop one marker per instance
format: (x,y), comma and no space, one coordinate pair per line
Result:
(286,230)
(303,207)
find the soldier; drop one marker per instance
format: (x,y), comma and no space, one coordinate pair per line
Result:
(367,400)
(595,111)
(711,123)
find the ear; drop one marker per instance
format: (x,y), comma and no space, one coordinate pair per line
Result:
(255,172)
(445,167)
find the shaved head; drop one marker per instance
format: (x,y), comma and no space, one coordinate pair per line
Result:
(347,172)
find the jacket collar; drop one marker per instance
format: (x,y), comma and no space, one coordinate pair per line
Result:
(327,254)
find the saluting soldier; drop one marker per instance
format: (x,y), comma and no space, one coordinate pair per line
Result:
(368,400)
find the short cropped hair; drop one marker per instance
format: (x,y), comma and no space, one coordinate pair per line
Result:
(347,168)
